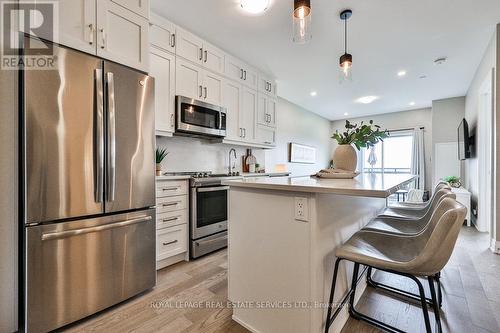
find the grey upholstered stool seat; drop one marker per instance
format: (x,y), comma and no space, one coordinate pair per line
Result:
(408,226)
(424,255)
(414,211)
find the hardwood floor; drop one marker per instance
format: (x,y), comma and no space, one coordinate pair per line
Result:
(471,298)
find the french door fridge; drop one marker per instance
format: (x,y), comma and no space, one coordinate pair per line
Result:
(89,191)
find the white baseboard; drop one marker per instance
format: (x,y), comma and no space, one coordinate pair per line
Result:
(495,246)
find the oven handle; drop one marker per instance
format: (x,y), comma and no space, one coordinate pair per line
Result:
(210,241)
(212,189)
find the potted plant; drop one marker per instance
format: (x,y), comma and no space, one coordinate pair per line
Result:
(161,153)
(361,136)
(453,181)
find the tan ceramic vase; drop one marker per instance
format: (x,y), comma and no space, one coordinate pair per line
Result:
(345,158)
(158,169)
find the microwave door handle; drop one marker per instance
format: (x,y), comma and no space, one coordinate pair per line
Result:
(99,136)
(111,172)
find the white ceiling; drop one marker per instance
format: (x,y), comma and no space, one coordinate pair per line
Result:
(385,36)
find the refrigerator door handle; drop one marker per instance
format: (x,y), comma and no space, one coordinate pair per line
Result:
(99,136)
(65,234)
(111,172)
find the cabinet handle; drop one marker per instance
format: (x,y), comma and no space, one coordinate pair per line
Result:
(267,142)
(171,219)
(205,89)
(170,204)
(241,132)
(241,75)
(245,76)
(103,40)
(206,55)
(201,53)
(201,91)
(172,120)
(244,132)
(170,243)
(92,29)
(172,43)
(172,188)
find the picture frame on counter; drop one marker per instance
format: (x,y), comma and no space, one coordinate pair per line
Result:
(299,153)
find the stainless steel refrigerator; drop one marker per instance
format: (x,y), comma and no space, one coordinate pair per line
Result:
(89,187)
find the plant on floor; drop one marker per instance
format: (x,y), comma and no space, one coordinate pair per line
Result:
(161,153)
(453,181)
(361,136)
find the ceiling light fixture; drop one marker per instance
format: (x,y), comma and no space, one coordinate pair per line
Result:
(313,93)
(254,6)
(346,58)
(401,73)
(411,103)
(301,21)
(346,114)
(367,99)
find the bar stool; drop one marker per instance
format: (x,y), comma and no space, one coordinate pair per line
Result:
(422,255)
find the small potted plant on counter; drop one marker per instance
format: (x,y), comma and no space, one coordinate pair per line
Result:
(161,153)
(454,181)
(361,136)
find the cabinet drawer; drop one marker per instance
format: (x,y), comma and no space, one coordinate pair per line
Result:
(170,204)
(170,219)
(171,188)
(171,241)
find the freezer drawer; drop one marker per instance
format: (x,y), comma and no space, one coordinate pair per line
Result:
(77,268)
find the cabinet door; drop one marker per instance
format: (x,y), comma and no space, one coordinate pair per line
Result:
(213,58)
(122,35)
(188,79)
(77,24)
(162,34)
(265,135)
(233,69)
(140,7)
(189,46)
(247,115)
(231,100)
(162,68)
(266,111)
(250,77)
(267,85)
(212,88)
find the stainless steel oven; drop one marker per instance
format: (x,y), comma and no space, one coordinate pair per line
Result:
(198,118)
(209,214)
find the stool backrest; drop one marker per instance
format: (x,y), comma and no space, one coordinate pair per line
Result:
(438,239)
(435,200)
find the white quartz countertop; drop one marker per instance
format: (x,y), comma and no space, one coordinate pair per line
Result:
(265,174)
(365,185)
(172,177)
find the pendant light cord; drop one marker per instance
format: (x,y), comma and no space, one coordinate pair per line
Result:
(345,35)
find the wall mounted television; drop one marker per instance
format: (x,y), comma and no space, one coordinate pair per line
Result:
(464,141)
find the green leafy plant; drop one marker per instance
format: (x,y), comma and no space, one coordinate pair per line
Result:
(453,181)
(361,136)
(161,153)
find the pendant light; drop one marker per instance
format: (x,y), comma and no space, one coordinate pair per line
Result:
(301,21)
(346,58)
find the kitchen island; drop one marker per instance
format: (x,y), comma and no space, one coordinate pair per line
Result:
(282,236)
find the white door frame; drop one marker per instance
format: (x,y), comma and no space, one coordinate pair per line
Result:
(485,152)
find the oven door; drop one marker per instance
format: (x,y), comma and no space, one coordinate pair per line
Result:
(209,210)
(196,117)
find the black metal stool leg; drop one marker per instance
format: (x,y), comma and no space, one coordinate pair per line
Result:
(332,293)
(354,283)
(435,304)
(423,302)
(440,293)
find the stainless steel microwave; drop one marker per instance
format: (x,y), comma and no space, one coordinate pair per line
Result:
(198,118)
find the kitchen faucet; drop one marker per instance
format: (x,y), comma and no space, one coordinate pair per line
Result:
(230,164)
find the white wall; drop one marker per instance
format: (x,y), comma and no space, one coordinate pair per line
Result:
(294,125)
(8,201)
(489,62)
(401,120)
(298,125)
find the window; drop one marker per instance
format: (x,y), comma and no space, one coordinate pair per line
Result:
(394,155)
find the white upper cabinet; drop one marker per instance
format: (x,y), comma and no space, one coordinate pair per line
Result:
(212,88)
(247,114)
(241,72)
(189,79)
(77,23)
(265,135)
(140,7)
(213,58)
(162,34)
(231,100)
(122,35)
(266,112)
(267,85)
(162,68)
(189,46)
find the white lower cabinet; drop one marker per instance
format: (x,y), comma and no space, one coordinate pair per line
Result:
(162,68)
(171,222)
